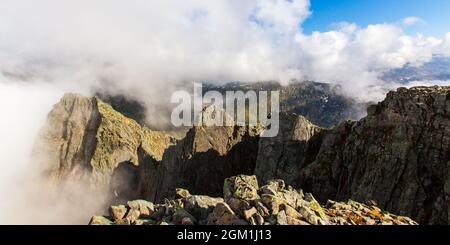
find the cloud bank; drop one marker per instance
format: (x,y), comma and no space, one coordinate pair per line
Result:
(139,45)
(145,49)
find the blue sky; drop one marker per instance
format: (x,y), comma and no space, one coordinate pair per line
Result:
(435,13)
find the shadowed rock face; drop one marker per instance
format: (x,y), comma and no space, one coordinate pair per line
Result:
(398,156)
(296,146)
(200,162)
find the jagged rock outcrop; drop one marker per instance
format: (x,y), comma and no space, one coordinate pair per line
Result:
(398,156)
(244,203)
(295,146)
(85,139)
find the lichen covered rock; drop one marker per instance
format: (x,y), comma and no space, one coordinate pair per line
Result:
(241,187)
(275,204)
(86,140)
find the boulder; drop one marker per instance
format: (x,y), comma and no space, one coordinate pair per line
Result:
(241,187)
(118,212)
(201,206)
(182,193)
(222,215)
(250,213)
(132,216)
(183,217)
(145,208)
(100,220)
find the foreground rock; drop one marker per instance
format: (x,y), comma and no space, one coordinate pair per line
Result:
(245,203)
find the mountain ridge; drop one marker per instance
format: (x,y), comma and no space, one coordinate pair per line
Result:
(346,162)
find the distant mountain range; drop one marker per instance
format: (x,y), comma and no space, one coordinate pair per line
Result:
(322,103)
(437,69)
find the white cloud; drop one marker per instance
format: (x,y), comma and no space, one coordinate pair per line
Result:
(282,16)
(167,40)
(355,57)
(412,20)
(429,83)
(158,43)
(446,45)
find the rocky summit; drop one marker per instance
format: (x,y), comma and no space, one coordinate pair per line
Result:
(398,156)
(245,203)
(396,159)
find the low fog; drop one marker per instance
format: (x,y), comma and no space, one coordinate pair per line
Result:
(28,198)
(146,49)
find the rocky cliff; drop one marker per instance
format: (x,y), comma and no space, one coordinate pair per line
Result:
(398,156)
(85,140)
